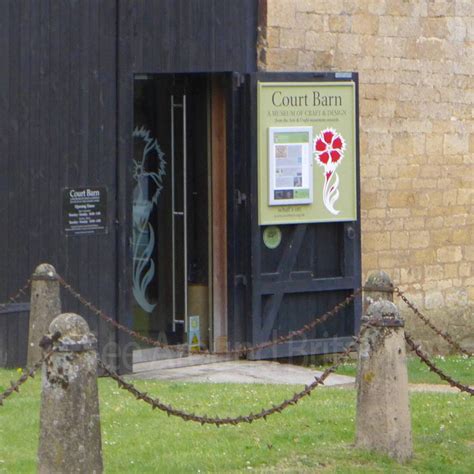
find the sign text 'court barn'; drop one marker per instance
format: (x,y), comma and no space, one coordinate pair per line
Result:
(316,99)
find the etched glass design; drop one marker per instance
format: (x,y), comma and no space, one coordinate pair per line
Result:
(148,173)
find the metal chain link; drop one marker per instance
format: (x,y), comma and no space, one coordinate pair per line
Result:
(427,321)
(13,299)
(209,420)
(15,386)
(45,343)
(239,351)
(433,368)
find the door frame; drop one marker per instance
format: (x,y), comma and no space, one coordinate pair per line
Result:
(243,253)
(220,213)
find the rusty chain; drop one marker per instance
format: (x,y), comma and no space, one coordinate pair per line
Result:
(156,403)
(14,298)
(15,386)
(45,343)
(433,368)
(239,351)
(426,320)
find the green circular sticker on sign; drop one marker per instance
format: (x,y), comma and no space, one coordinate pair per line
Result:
(272,237)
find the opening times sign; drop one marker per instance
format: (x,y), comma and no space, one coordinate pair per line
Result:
(306,152)
(84,210)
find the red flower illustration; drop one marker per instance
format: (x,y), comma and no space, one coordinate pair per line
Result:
(329,147)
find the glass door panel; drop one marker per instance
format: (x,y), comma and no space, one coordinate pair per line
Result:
(170,239)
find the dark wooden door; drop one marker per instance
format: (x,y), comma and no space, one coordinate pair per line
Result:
(315,266)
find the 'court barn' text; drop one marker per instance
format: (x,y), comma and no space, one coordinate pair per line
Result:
(315,100)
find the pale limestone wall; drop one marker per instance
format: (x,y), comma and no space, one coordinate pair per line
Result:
(416,64)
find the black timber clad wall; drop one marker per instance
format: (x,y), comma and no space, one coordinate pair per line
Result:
(193,35)
(66,118)
(58,129)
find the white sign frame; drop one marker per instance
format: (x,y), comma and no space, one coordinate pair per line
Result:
(303,179)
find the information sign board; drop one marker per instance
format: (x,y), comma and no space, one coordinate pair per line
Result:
(307,148)
(290,165)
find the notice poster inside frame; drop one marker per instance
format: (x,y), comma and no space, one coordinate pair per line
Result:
(307,152)
(290,166)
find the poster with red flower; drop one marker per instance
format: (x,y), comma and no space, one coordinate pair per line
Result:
(289,192)
(329,147)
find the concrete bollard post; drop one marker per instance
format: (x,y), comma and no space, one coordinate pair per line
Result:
(378,286)
(383,415)
(70,439)
(45,305)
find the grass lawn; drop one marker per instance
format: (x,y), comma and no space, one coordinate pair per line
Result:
(459,367)
(316,435)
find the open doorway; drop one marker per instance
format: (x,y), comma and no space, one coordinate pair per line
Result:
(178,210)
